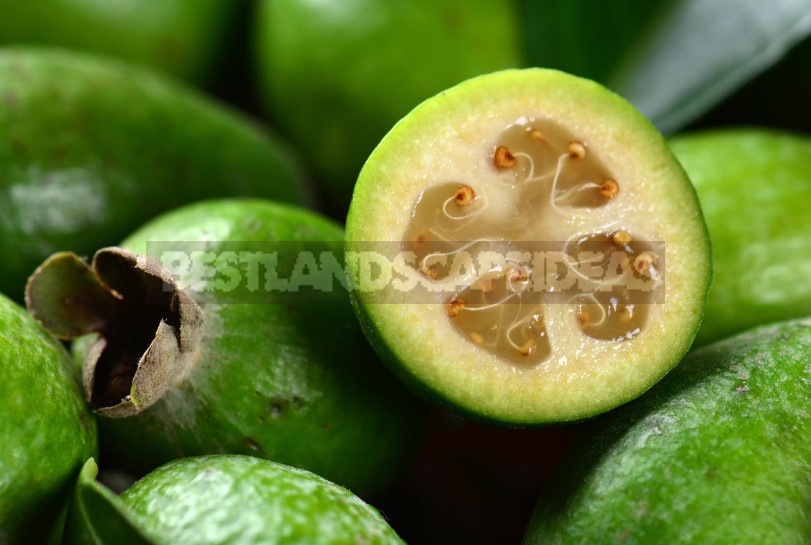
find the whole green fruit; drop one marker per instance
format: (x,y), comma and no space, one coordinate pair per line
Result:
(521,210)
(90,149)
(282,376)
(337,75)
(46,431)
(225,500)
(755,190)
(717,453)
(185,38)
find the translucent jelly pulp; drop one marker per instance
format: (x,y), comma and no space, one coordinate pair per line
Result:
(547,175)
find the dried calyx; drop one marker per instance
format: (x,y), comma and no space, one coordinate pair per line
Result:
(148,331)
(550,176)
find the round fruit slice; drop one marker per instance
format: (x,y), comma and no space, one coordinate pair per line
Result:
(46,431)
(546,253)
(225,500)
(715,454)
(755,188)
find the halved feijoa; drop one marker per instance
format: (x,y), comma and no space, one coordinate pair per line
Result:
(524,248)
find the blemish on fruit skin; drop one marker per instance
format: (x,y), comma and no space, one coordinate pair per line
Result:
(11,99)
(742,389)
(252,444)
(504,158)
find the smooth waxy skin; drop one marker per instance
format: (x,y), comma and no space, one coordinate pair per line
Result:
(755,190)
(238,500)
(184,38)
(90,149)
(295,383)
(462,123)
(226,500)
(336,76)
(46,432)
(717,453)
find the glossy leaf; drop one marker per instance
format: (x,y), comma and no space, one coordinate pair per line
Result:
(98,517)
(700,51)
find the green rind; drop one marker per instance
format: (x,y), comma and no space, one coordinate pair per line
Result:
(717,453)
(337,76)
(479,94)
(185,38)
(295,383)
(239,500)
(46,432)
(90,149)
(755,190)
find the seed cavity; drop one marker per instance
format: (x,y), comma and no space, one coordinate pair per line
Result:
(547,175)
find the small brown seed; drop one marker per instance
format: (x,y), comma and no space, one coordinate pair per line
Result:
(503,158)
(577,150)
(583,320)
(609,189)
(516,275)
(465,195)
(527,348)
(429,271)
(621,238)
(454,306)
(643,262)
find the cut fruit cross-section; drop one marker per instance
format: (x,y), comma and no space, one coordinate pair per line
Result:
(556,260)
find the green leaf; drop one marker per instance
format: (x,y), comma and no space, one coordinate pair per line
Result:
(98,517)
(700,51)
(673,59)
(588,38)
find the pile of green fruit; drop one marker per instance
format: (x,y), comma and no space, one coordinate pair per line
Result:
(464,223)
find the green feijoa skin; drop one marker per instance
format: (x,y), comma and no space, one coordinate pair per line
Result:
(755,189)
(46,431)
(715,454)
(90,149)
(337,76)
(262,373)
(227,500)
(548,256)
(185,38)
